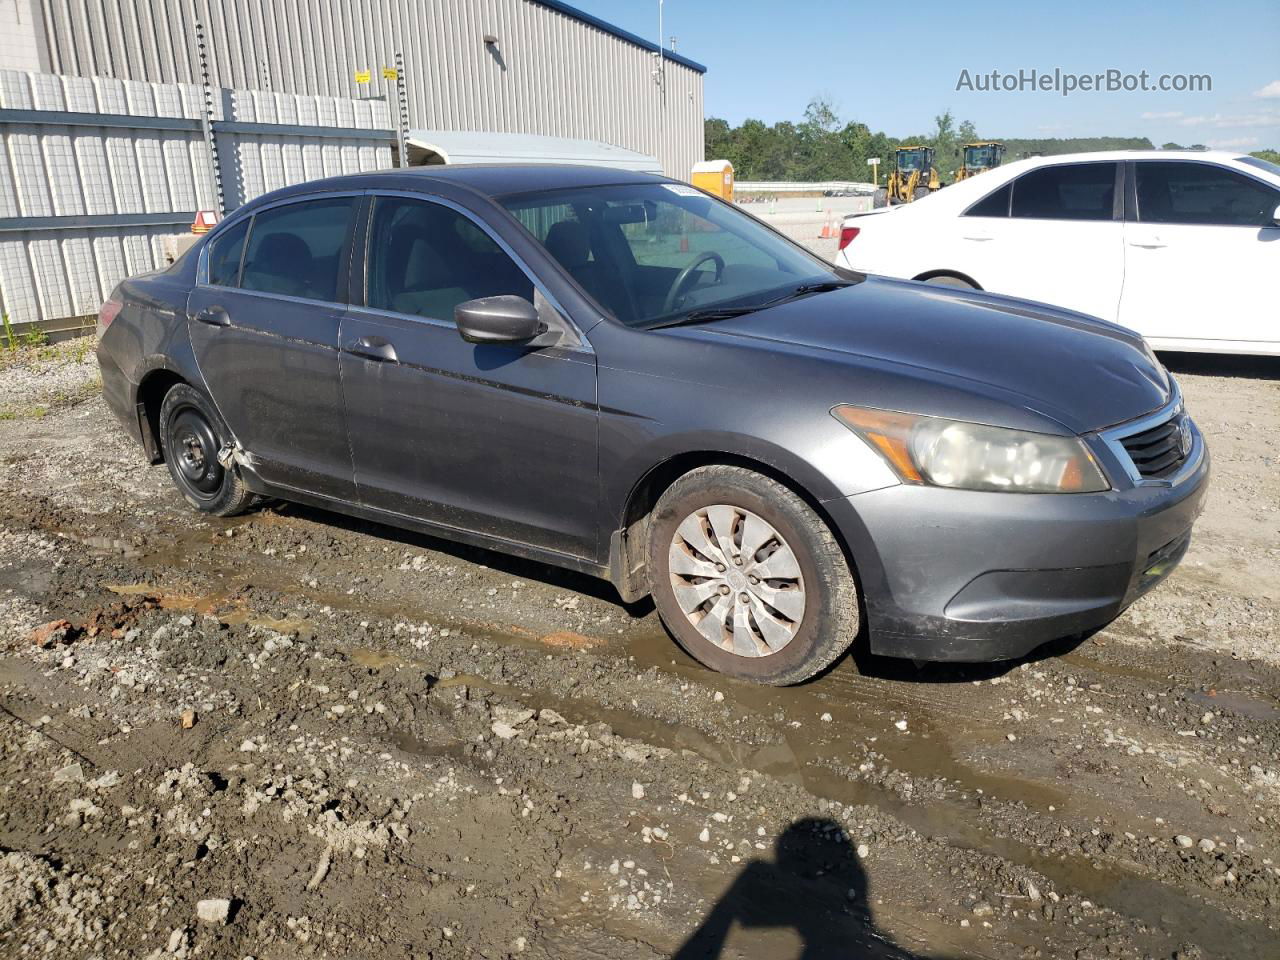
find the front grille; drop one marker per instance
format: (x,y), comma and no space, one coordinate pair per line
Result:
(1159,452)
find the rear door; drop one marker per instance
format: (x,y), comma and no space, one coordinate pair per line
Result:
(495,439)
(1202,254)
(264,319)
(1054,235)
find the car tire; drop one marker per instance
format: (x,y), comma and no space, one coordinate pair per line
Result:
(880,198)
(191,435)
(946,281)
(922,192)
(795,623)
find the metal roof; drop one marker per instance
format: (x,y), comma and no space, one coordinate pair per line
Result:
(479,146)
(618,32)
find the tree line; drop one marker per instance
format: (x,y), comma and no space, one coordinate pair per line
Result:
(824,147)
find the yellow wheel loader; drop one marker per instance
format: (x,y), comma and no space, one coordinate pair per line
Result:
(912,177)
(979,157)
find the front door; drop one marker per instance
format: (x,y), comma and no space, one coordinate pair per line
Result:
(494,439)
(265,332)
(1060,241)
(1201,256)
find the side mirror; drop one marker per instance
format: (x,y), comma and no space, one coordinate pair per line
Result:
(1275,216)
(505,319)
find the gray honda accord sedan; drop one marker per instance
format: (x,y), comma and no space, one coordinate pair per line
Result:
(619,374)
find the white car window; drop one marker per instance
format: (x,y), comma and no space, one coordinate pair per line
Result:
(994,204)
(1073,191)
(1171,191)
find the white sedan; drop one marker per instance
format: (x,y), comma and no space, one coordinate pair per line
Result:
(1183,247)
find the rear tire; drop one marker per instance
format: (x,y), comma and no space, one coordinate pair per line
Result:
(880,198)
(922,192)
(748,579)
(191,435)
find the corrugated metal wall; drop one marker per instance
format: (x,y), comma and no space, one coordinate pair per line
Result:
(108,196)
(549,73)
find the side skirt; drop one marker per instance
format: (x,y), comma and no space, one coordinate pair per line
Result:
(444,532)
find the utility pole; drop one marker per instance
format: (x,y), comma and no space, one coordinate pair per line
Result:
(402,105)
(206,121)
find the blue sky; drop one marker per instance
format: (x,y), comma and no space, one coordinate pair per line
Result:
(895,70)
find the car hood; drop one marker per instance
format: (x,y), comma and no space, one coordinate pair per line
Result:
(1084,373)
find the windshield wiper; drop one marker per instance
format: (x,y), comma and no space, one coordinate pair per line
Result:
(823,286)
(703,316)
(727,313)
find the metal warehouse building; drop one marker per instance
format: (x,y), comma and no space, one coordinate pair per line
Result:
(516,66)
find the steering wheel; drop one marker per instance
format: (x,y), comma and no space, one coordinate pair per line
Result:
(682,278)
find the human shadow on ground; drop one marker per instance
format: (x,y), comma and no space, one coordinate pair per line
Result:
(815,885)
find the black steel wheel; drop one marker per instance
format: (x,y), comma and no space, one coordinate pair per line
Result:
(191,436)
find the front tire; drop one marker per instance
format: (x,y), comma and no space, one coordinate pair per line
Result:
(948,281)
(748,579)
(191,435)
(880,199)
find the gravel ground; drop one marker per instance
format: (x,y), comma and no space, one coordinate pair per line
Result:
(296,735)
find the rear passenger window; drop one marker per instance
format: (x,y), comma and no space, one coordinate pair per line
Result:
(295,249)
(426,258)
(992,205)
(224,255)
(1075,191)
(1200,193)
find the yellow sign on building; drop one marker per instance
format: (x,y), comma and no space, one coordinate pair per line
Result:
(389,73)
(363,76)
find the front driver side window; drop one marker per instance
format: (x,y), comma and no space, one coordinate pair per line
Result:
(296,249)
(426,258)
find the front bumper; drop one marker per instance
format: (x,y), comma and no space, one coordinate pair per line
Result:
(971,576)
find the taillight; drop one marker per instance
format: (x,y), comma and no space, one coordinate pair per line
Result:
(106,314)
(846,236)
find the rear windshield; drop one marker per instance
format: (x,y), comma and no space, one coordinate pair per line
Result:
(1261,164)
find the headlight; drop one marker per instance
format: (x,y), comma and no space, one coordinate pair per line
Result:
(973,456)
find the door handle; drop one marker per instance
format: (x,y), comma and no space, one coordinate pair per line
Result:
(373,348)
(1153,244)
(214,316)
(979,236)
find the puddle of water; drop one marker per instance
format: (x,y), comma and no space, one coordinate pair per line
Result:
(1110,668)
(927,752)
(104,546)
(375,659)
(1256,708)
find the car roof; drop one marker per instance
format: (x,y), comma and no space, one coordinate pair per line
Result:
(487,179)
(1113,155)
(959,195)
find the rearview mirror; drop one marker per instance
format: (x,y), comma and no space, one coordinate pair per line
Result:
(505,319)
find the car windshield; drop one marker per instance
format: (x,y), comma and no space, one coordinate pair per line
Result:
(653,254)
(979,156)
(909,160)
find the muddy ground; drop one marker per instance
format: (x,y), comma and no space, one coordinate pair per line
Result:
(354,741)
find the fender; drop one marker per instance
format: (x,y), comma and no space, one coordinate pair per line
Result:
(630,490)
